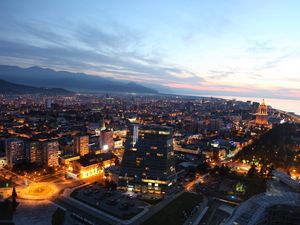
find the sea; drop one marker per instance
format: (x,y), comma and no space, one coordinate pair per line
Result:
(287,105)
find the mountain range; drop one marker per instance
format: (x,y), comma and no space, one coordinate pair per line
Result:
(8,88)
(77,82)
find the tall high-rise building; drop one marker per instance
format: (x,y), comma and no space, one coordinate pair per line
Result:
(33,151)
(148,162)
(262,114)
(15,151)
(81,145)
(50,153)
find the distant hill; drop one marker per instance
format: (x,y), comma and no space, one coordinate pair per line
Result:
(40,77)
(9,88)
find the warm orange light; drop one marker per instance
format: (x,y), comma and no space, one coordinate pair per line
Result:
(85,173)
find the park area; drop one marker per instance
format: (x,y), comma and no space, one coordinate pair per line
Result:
(176,212)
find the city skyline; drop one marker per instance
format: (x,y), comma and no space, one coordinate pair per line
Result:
(149,112)
(233,48)
(146,159)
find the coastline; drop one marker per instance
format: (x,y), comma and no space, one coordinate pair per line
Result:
(288,106)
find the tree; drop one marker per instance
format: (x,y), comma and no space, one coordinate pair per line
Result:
(110,185)
(203,167)
(263,170)
(117,161)
(270,170)
(252,171)
(224,170)
(14,199)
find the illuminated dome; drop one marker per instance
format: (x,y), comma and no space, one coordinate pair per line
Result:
(262,114)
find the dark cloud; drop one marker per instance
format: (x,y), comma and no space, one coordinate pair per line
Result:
(83,60)
(34,32)
(112,51)
(117,39)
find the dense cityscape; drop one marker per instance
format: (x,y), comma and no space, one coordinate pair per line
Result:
(153,112)
(147,159)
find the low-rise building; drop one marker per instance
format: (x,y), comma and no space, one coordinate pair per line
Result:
(90,165)
(267,209)
(3,162)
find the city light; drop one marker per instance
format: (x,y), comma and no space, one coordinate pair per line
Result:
(38,191)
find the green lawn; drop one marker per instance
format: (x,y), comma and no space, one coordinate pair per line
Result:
(173,212)
(254,185)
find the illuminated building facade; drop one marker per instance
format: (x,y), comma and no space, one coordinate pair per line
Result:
(118,143)
(262,114)
(148,161)
(90,165)
(50,153)
(3,162)
(81,145)
(34,152)
(15,153)
(87,170)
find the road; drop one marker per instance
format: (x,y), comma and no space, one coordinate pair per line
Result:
(15,178)
(190,185)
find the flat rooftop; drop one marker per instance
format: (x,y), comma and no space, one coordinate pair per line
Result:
(114,203)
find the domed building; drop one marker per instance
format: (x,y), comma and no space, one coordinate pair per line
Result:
(262,114)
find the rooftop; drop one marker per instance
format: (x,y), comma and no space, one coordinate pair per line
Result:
(91,159)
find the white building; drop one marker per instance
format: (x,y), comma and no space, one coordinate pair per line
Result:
(3,162)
